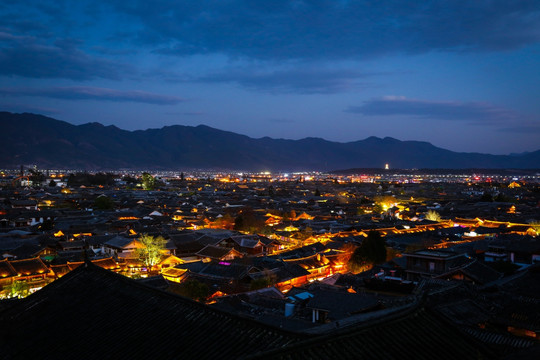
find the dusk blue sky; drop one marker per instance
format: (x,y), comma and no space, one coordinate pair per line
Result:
(461,74)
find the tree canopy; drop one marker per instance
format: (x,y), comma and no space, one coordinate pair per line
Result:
(103,202)
(432,215)
(193,289)
(371,251)
(150,254)
(36,177)
(148,181)
(248,221)
(18,289)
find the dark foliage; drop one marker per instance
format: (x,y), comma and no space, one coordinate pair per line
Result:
(371,251)
(193,289)
(103,203)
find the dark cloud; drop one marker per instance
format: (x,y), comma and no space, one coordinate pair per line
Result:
(329,29)
(44,40)
(93,93)
(265,30)
(306,81)
(30,59)
(451,110)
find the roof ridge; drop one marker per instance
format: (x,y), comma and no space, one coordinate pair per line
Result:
(165,294)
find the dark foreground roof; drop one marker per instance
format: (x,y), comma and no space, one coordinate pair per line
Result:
(92,313)
(417,335)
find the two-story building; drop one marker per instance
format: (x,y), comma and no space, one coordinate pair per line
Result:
(432,263)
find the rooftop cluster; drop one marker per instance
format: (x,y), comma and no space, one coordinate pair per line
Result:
(305,253)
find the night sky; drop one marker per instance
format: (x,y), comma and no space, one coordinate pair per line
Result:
(461,74)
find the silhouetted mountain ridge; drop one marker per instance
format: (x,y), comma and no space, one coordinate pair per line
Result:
(50,143)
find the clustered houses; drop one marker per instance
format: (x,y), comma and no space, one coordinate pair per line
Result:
(278,251)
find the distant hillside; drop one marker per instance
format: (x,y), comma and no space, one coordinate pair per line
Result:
(50,143)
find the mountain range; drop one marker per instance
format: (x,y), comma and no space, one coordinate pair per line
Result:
(49,143)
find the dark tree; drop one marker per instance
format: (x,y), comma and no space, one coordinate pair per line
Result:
(194,289)
(36,177)
(247,221)
(371,251)
(260,283)
(103,203)
(46,225)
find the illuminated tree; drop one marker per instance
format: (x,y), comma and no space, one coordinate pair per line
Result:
(432,215)
(536,226)
(150,254)
(387,200)
(148,181)
(18,289)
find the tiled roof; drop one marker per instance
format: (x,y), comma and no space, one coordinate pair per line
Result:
(28,267)
(477,271)
(341,304)
(119,242)
(6,270)
(418,335)
(215,252)
(107,263)
(100,314)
